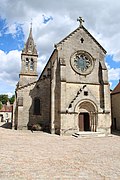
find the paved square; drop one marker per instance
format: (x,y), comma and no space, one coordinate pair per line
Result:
(40,156)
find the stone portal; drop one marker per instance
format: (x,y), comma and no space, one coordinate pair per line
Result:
(87,116)
(84,122)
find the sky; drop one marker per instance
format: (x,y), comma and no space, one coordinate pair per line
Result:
(51,22)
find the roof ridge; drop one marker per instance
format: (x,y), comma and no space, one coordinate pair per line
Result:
(68,36)
(82,27)
(29,84)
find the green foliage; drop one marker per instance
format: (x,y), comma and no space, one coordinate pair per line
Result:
(4,98)
(12,99)
(0,105)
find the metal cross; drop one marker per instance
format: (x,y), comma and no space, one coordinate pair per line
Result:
(31,23)
(81,20)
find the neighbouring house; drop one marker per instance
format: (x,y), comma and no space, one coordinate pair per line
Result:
(72,93)
(6,112)
(115,107)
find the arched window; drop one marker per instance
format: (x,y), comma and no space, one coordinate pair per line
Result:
(32,65)
(36,106)
(27,63)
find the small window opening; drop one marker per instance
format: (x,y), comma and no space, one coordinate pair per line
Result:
(32,65)
(27,63)
(85,93)
(37,106)
(82,40)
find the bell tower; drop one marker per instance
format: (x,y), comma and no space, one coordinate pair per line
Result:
(29,57)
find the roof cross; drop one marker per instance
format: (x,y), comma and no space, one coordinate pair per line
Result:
(81,20)
(31,23)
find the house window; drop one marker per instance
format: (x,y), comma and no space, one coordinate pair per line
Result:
(36,106)
(32,65)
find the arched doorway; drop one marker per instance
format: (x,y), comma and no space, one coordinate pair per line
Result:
(87,116)
(84,122)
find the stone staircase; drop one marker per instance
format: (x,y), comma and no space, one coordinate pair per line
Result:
(88,134)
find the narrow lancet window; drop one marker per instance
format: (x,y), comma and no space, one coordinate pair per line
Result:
(32,65)
(36,106)
(27,63)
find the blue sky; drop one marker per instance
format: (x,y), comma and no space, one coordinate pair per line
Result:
(51,23)
(10,41)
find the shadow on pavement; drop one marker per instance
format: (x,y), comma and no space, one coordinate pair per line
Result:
(115,132)
(7,125)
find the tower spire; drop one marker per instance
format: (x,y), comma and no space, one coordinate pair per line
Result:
(30,47)
(31,23)
(30,28)
(29,56)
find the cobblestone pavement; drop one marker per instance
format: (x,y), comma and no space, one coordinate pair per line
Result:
(40,156)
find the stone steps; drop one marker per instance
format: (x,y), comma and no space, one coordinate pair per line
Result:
(87,134)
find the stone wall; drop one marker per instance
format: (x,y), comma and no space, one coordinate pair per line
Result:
(22,107)
(64,93)
(115,102)
(72,82)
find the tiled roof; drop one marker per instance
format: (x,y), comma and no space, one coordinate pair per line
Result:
(116,89)
(6,108)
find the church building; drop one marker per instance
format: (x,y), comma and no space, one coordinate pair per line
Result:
(72,93)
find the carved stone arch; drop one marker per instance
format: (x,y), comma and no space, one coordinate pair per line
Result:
(90,105)
(87,112)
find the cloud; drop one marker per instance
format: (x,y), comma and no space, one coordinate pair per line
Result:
(14,29)
(105,25)
(113,75)
(10,66)
(60,18)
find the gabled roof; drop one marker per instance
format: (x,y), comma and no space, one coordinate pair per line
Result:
(6,108)
(116,90)
(82,27)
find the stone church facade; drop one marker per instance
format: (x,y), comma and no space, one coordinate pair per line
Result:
(72,93)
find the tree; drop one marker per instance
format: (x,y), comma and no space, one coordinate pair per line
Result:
(4,98)
(0,105)
(12,99)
